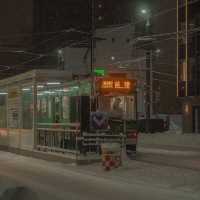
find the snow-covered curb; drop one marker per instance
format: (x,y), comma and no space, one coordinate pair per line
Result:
(182,140)
(167,152)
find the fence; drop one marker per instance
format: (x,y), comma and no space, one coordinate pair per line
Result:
(61,140)
(91,142)
(69,140)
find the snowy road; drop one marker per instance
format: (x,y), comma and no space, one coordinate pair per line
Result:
(60,181)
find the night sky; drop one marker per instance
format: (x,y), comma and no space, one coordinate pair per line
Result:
(25,23)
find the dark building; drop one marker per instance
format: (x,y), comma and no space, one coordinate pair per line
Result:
(44,26)
(17,38)
(15,34)
(165,56)
(161,31)
(61,16)
(188,63)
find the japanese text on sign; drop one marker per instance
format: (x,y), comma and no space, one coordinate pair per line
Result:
(120,86)
(116,84)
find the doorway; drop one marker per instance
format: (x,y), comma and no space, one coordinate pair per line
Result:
(196,119)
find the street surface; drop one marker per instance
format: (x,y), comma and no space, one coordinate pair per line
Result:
(136,180)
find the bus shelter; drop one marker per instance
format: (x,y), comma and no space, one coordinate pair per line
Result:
(50,111)
(35,102)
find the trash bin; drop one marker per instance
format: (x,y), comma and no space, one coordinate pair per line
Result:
(111,155)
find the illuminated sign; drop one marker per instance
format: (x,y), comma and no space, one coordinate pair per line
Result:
(122,86)
(99,71)
(115,84)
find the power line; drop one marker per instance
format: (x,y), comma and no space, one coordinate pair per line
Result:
(164,81)
(153,35)
(163,73)
(119,62)
(88,33)
(193,31)
(38,57)
(163,12)
(43,33)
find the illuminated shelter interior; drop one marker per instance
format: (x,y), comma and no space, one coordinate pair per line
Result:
(38,97)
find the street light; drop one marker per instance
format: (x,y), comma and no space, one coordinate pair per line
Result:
(146,14)
(147,39)
(144,11)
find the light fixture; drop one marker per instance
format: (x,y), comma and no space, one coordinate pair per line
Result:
(26,89)
(112,57)
(63,90)
(158,51)
(75,87)
(187,108)
(144,11)
(40,86)
(3,93)
(53,83)
(60,51)
(49,92)
(40,94)
(122,67)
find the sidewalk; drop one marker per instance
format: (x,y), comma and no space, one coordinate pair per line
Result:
(170,155)
(169,149)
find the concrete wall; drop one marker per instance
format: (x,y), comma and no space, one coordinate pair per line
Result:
(17,139)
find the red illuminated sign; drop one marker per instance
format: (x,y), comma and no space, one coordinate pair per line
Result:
(123,86)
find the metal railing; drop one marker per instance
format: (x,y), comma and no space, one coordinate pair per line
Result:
(91,142)
(68,140)
(58,138)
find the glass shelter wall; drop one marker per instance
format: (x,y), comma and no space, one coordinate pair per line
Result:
(58,102)
(16,107)
(27,107)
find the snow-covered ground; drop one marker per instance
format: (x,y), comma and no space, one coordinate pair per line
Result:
(135,180)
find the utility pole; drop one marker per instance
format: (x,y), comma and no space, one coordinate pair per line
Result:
(92,49)
(149,88)
(151,84)
(149,77)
